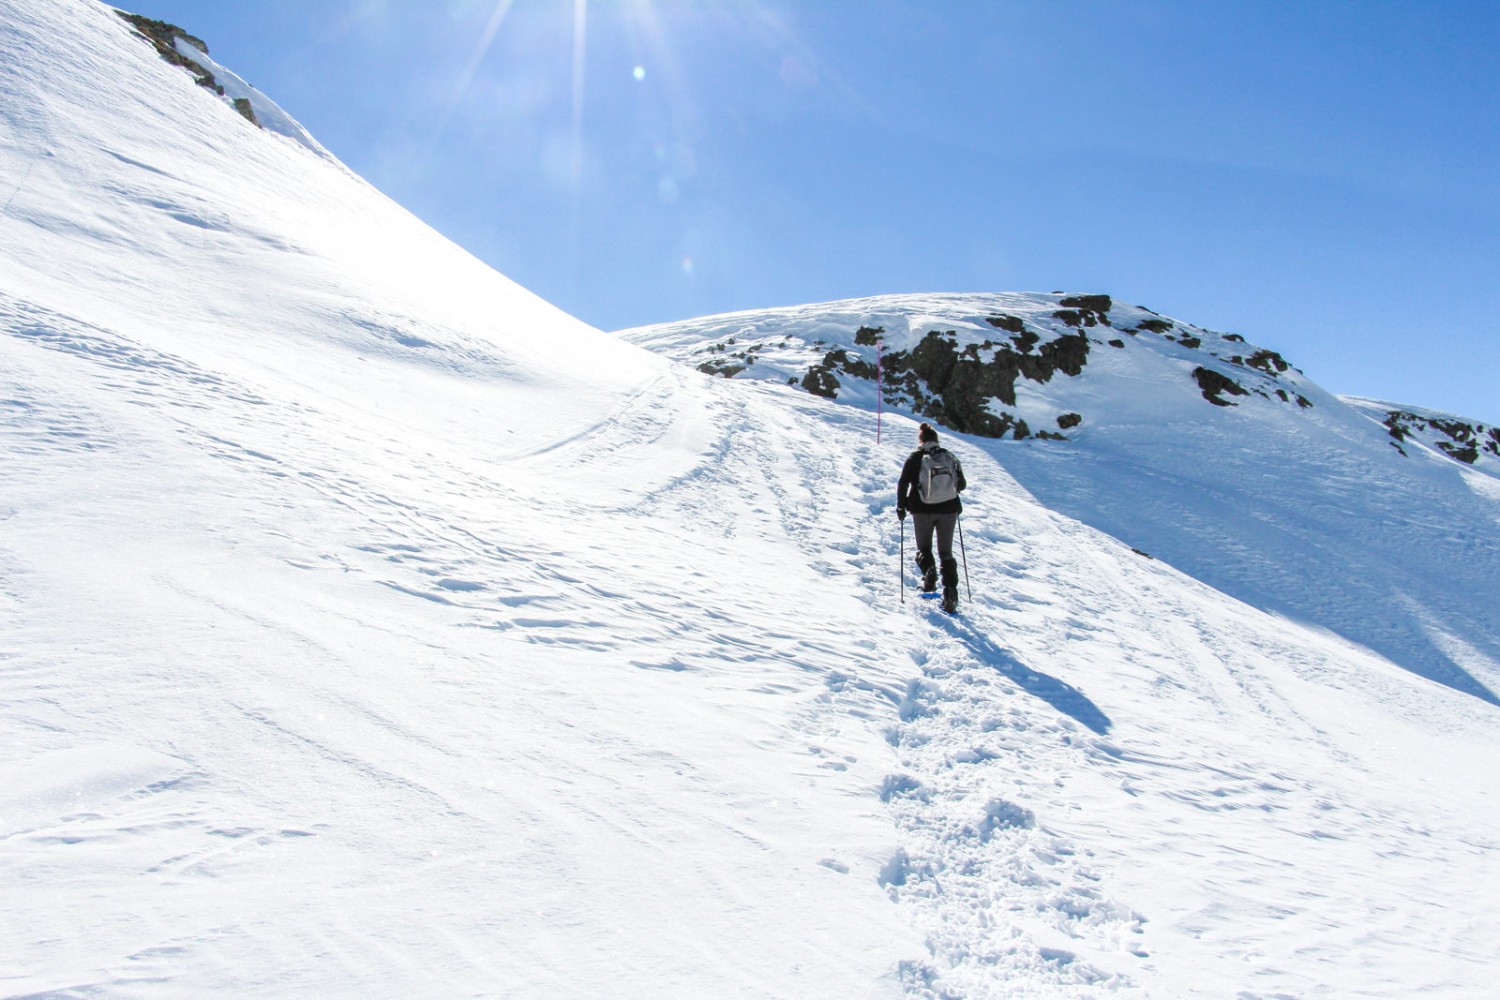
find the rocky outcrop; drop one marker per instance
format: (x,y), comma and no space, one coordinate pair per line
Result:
(1459,440)
(986,365)
(954,385)
(1214,384)
(1267,361)
(246,110)
(164,37)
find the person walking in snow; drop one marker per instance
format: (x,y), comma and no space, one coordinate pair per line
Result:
(930,483)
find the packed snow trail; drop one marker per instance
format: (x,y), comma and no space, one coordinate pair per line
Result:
(1143,761)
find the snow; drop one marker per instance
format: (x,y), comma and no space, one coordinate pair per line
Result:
(372,627)
(268,114)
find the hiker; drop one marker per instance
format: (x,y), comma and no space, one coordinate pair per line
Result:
(931,481)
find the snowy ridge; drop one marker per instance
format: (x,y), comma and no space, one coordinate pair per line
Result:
(179,48)
(267,113)
(373,628)
(996,365)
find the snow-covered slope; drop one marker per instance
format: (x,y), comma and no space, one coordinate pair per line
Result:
(368,627)
(1197,447)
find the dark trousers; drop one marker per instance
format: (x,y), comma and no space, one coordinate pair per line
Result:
(925,525)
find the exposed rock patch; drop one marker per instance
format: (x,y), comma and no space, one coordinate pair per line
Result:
(1214,384)
(1459,440)
(164,38)
(246,109)
(955,386)
(1098,304)
(1267,361)
(726,363)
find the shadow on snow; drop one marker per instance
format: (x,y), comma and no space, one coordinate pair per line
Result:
(1059,694)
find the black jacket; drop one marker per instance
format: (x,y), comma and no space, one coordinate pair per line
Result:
(907,497)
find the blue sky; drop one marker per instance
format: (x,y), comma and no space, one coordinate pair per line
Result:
(1322,177)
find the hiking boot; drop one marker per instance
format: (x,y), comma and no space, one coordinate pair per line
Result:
(950,586)
(929,568)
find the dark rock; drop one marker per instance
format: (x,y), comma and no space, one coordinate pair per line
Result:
(721,368)
(1154,325)
(1025,341)
(820,381)
(955,386)
(164,37)
(1069,420)
(242,105)
(868,336)
(1076,318)
(1464,453)
(161,33)
(1100,304)
(1465,441)
(1213,383)
(1010,324)
(1267,361)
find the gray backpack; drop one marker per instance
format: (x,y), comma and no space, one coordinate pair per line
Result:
(938,480)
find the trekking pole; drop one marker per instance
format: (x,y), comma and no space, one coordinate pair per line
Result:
(901,566)
(965,557)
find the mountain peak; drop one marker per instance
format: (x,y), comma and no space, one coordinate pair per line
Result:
(1030,365)
(996,365)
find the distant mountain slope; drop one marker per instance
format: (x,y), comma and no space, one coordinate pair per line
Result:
(1197,447)
(1004,365)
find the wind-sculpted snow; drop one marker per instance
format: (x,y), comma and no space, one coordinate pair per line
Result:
(371,628)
